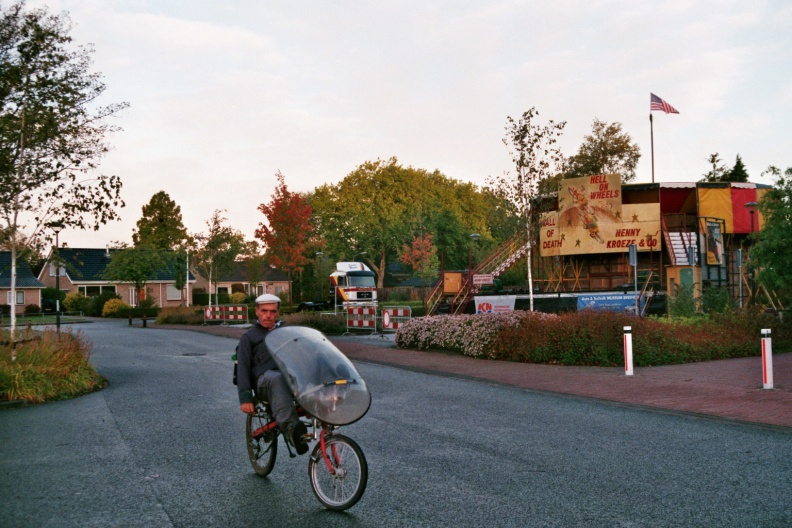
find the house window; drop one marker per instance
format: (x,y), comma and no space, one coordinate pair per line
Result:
(20,297)
(260,289)
(173,293)
(94,291)
(133,296)
(52,270)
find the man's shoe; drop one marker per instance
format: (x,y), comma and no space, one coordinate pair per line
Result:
(297,434)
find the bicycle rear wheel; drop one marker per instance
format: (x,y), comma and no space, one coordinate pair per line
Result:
(339,476)
(262,449)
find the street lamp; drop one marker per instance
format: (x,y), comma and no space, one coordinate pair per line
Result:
(358,254)
(751,206)
(319,273)
(474,237)
(57,227)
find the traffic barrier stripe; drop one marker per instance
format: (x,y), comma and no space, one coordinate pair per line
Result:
(226,313)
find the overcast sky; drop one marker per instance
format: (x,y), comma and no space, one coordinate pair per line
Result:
(223,94)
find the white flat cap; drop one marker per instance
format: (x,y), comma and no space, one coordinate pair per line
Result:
(267,298)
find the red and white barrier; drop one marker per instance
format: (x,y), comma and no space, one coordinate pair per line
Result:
(226,312)
(361,317)
(767,359)
(394,317)
(628,351)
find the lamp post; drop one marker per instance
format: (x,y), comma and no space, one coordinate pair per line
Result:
(57,227)
(319,275)
(751,206)
(474,237)
(358,254)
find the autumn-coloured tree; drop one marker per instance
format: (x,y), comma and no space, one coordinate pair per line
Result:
(421,256)
(288,231)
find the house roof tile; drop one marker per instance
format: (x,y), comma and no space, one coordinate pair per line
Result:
(24,277)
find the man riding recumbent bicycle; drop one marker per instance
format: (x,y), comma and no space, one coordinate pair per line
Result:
(293,382)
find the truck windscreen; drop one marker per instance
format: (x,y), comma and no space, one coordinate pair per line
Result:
(361,282)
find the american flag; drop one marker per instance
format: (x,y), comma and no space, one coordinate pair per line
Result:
(659,104)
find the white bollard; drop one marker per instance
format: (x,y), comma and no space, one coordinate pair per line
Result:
(767,359)
(628,353)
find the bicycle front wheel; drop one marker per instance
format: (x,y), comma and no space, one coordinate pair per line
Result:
(339,475)
(262,449)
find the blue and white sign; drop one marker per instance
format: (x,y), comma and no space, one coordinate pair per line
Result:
(615,302)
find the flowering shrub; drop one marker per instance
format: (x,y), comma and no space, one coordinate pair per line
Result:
(469,334)
(594,338)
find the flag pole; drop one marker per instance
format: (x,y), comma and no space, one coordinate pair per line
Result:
(651,135)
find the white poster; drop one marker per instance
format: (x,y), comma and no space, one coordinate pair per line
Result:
(494,303)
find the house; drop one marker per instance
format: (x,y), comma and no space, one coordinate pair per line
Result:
(84,268)
(271,280)
(28,288)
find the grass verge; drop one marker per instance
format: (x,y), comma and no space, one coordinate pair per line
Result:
(47,367)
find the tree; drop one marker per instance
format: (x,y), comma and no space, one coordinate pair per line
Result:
(718,171)
(421,256)
(607,150)
(161,224)
(288,231)
(52,134)
(535,158)
(738,172)
(138,265)
(217,249)
(772,252)
(382,205)
(160,227)
(256,264)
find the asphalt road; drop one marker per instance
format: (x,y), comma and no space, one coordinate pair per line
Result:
(163,445)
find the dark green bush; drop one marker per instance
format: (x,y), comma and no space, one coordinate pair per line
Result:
(683,304)
(96,304)
(180,315)
(596,338)
(137,312)
(32,309)
(716,299)
(327,324)
(585,338)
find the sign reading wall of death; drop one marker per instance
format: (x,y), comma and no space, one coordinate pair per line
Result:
(592,219)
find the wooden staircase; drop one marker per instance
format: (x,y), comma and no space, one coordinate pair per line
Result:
(501,259)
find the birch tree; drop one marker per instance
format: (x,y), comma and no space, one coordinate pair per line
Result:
(534,154)
(52,134)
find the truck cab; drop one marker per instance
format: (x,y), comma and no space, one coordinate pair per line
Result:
(353,282)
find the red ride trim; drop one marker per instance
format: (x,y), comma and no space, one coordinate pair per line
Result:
(264,429)
(330,467)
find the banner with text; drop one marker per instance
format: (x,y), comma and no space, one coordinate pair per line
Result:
(613,302)
(592,219)
(494,303)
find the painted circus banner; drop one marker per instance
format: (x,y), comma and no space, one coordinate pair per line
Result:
(591,218)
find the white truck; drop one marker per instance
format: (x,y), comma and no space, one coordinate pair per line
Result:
(353,282)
